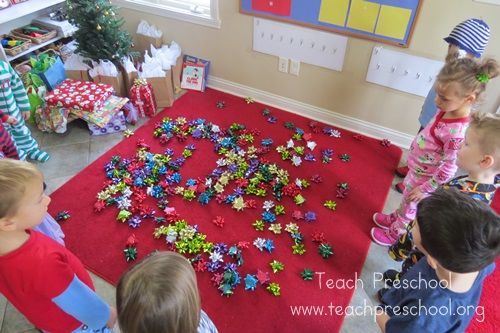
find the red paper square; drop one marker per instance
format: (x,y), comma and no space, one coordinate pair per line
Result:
(278,7)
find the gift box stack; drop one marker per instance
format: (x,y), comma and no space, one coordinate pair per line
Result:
(90,101)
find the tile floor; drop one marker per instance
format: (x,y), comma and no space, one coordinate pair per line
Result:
(72,152)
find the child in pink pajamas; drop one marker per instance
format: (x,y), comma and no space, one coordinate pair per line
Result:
(433,153)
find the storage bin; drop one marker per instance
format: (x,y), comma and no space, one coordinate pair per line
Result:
(51,33)
(13,50)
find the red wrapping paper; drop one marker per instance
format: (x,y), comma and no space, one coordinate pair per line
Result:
(143,98)
(79,95)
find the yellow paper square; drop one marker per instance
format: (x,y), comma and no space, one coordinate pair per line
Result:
(333,11)
(363,15)
(393,22)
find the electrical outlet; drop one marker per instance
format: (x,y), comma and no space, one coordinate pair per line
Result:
(283,64)
(294,67)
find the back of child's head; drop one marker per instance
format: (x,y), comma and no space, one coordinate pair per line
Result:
(159,294)
(15,175)
(471,36)
(461,233)
(487,129)
(471,75)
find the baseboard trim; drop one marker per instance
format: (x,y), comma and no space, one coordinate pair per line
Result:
(400,139)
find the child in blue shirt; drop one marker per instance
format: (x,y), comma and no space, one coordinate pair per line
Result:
(460,238)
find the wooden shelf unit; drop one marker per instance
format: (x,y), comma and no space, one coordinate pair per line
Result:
(21,14)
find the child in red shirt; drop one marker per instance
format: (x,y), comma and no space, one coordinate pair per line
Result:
(7,146)
(28,259)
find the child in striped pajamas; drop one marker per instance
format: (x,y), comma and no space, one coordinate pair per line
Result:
(14,102)
(7,147)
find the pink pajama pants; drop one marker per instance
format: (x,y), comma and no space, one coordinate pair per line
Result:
(407,209)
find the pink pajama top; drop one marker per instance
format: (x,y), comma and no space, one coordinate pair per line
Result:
(433,153)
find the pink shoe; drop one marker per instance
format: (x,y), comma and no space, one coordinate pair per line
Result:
(402,171)
(400,187)
(383,237)
(384,221)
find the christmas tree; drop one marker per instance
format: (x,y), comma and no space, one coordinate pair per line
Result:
(99,35)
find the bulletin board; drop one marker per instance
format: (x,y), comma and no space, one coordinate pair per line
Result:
(386,21)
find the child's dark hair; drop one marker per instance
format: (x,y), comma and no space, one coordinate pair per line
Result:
(461,233)
(160,295)
(471,74)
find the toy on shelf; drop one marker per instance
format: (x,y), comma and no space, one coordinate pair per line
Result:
(14,45)
(58,21)
(58,15)
(37,33)
(10,42)
(34,31)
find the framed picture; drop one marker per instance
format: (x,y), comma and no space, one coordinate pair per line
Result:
(387,21)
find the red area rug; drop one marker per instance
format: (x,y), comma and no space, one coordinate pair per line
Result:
(99,240)
(487,319)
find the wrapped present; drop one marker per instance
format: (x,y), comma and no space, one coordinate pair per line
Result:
(52,119)
(143,98)
(103,115)
(116,124)
(131,113)
(79,95)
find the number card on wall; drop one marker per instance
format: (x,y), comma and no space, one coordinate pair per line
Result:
(387,21)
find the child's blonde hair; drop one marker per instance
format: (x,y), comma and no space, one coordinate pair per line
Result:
(487,128)
(470,74)
(159,294)
(14,177)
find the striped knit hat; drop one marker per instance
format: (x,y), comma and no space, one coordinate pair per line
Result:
(471,36)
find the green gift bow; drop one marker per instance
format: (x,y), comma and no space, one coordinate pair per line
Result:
(42,63)
(482,77)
